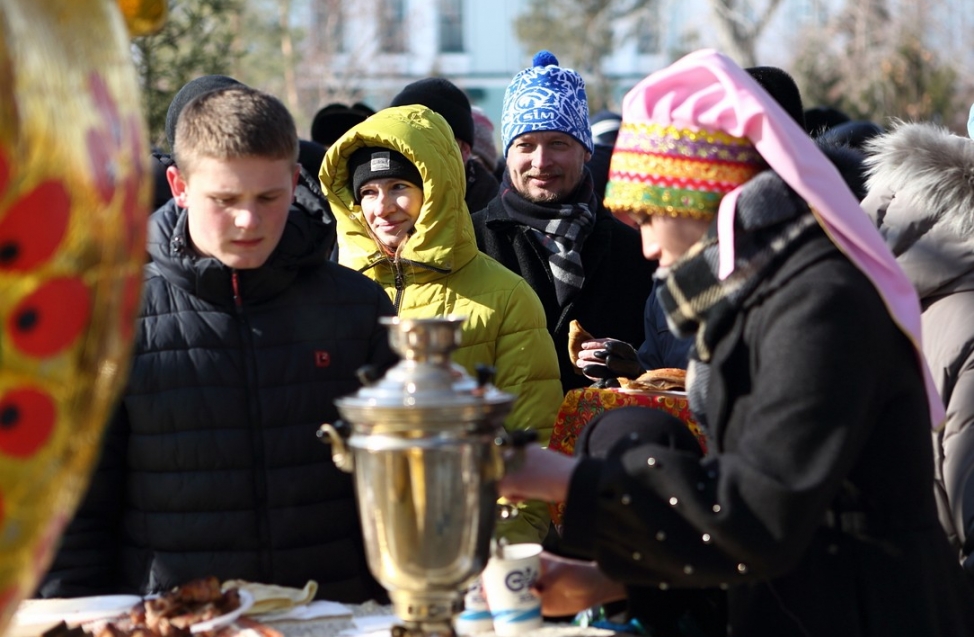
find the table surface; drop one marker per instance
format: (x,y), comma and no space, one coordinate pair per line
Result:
(331,627)
(334,626)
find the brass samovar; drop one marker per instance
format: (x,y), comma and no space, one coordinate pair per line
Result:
(426,446)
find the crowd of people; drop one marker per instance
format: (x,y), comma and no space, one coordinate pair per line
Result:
(813,275)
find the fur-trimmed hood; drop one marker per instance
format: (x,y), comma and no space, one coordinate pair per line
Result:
(920,181)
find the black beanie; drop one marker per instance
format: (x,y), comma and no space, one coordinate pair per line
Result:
(375,162)
(444,98)
(782,88)
(334,120)
(185,95)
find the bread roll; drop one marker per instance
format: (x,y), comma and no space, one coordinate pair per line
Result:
(576,336)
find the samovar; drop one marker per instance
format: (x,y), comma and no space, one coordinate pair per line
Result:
(426,446)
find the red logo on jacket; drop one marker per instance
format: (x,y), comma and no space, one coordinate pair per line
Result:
(322,358)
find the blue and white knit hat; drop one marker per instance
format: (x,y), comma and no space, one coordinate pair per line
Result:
(546,97)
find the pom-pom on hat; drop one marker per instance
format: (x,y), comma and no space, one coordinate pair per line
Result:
(442,96)
(546,97)
(375,162)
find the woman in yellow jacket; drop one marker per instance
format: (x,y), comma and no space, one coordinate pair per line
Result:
(396,186)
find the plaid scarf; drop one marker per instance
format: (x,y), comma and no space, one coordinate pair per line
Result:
(560,228)
(771,220)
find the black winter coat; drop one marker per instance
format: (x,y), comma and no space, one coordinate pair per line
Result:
(814,508)
(617,279)
(211,465)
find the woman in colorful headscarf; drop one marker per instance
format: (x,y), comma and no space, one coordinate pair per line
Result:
(814,508)
(396,183)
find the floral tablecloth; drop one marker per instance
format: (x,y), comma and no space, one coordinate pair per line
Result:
(582,405)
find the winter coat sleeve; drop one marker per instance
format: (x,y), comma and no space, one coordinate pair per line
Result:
(649,514)
(527,367)
(957,462)
(86,561)
(380,351)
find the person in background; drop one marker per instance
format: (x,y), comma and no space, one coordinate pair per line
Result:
(603,358)
(447,99)
(819,119)
(332,120)
(922,200)
(484,146)
(548,225)
(813,506)
(605,127)
(246,336)
(307,196)
(392,180)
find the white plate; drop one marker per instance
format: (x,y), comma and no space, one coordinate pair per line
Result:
(246,601)
(75,610)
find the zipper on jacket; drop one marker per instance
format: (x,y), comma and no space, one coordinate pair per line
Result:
(235,282)
(400,285)
(399,276)
(256,431)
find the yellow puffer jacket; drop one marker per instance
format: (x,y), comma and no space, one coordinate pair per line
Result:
(440,271)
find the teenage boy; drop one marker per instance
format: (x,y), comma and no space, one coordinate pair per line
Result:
(246,336)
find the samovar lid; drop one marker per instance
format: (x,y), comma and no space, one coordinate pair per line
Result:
(425,389)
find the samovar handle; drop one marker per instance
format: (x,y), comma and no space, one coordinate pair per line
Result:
(336,435)
(512,444)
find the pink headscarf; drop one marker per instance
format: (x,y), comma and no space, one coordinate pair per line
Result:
(708,90)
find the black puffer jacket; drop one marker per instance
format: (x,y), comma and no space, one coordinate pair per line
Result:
(212,466)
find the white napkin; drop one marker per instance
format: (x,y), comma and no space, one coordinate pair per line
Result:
(314,610)
(370,626)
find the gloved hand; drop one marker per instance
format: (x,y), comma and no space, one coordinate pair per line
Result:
(609,358)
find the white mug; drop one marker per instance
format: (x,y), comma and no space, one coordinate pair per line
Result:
(508,580)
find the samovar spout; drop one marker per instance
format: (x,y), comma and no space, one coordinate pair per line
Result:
(337,435)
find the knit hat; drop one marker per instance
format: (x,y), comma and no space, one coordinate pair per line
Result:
(711,96)
(605,127)
(441,96)
(185,95)
(546,97)
(333,120)
(676,170)
(782,88)
(483,138)
(375,162)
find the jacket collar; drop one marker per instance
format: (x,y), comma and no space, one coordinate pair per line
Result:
(303,244)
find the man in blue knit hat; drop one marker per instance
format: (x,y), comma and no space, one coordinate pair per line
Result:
(547,222)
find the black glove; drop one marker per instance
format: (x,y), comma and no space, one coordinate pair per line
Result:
(619,361)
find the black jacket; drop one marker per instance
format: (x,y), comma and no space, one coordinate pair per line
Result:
(211,465)
(617,279)
(814,508)
(481,185)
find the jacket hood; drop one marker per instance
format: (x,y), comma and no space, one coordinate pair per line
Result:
(443,239)
(305,243)
(920,179)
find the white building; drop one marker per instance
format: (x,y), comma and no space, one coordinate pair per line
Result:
(368,50)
